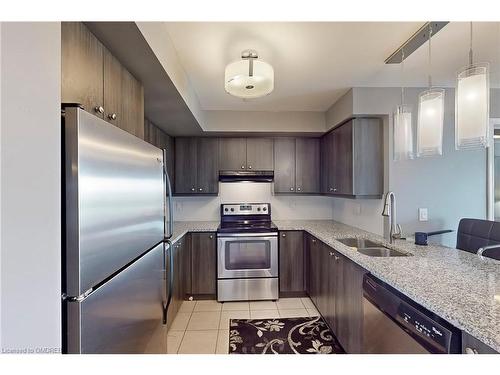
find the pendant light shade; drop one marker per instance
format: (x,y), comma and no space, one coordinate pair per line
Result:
(249,77)
(472,98)
(430,122)
(403,133)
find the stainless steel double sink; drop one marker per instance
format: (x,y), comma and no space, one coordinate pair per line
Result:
(371,248)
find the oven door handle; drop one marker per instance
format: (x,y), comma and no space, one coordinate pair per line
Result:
(248,235)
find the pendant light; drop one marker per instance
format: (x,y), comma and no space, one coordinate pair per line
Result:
(402,125)
(472,98)
(430,116)
(249,77)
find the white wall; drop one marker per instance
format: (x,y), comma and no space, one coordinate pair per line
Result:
(452,186)
(282,207)
(255,121)
(31,186)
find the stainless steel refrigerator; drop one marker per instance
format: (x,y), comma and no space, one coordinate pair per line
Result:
(118,219)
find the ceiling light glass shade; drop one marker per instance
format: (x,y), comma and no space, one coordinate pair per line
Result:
(240,82)
(403,134)
(430,122)
(472,98)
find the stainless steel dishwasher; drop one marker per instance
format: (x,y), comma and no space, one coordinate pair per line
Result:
(394,324)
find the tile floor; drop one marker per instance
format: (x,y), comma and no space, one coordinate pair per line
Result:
(202,327)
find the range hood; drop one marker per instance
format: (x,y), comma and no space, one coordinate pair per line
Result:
(248,176)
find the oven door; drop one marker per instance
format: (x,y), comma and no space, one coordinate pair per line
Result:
(247,255)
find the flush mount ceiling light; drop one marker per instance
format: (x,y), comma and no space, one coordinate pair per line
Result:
(472,105)
(249,77)
(403,129)
(430,116)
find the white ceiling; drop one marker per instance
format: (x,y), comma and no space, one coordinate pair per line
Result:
(315,63)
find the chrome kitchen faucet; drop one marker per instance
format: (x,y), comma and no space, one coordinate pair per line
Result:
(390,211)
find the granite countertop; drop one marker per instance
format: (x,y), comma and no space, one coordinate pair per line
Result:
(456,285)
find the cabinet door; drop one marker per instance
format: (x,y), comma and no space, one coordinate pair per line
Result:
(208,166)
(203,263)
(291,261)
(323,302)
(324,164)
(342,159)
(307,166)
(232,154)
(313,260)
(81,67)
(368,156)
(185,165)
(132,109)
(331,289)
(329,162)
(112,89)
(284,165)
(260,154)
(349,304)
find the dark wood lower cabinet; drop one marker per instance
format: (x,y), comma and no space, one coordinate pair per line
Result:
(203,264)
(179,252)
(335,285)
(291,263)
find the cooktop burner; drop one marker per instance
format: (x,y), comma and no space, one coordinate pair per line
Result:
(246,218)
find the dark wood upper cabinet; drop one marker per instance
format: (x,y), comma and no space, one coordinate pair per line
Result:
(196,166)
(296,165)
(307,165)
(208,166)
(352,159)
(186,156)
(260,154)
(232,154)
(94,78)
(246,154)
(284,165)
(160,139)
(291,263)
(203,263)
(112,89)
(132,105)
(342,159)
(81,67)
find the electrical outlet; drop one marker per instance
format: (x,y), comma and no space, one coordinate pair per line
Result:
(423,214)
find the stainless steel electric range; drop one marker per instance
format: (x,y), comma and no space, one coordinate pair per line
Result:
(247,253)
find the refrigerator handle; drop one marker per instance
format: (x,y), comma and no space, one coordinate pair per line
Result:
(169,199)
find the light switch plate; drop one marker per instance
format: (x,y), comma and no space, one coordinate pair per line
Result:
(423,214)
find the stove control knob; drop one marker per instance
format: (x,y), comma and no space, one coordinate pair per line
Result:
(264,209)
(258,208)
(232,209)
(225,209)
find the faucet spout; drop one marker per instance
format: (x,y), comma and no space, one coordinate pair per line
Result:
(390,212)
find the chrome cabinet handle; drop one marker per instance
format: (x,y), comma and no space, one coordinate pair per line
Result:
(283,235)
(336,258)
(330,253)
(211,236)
(291,189)
(112,116)
(200,189)
(99,109)
(193,189)
(330,189)
(249,167)
(242,167)
(298,189)
(314,240)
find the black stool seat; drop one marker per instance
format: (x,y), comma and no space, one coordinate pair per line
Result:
(476,233)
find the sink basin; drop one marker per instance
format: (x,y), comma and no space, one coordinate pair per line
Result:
(371,248)
(381,252)
(359,242)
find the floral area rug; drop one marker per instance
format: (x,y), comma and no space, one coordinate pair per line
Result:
(282,336)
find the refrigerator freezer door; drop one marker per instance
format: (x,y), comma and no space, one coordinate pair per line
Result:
(125,314)
(114,199)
